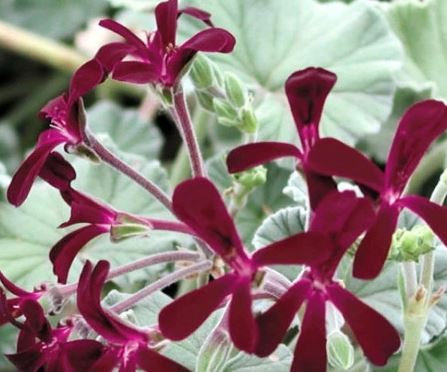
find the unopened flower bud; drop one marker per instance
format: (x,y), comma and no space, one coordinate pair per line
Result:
(340,350)
(205,100)
(249,123)
(235,90)
(252,178)
(128,227)
(202,72)
(409,245)
(224,110)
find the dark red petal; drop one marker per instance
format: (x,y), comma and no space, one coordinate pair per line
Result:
(35,320)
(310,351)
(29,360)
(274,323)
(28,171)
(85,78)
(166,17)
(80,355)
(301,249)
(124,32)
(433,214)
(152,361)
(107,361)
(200,14)
(14,289)
(57,171)
(333,158)
(373,251)
(105,323)
(183,316)
(307,91)
(212,40)
(248,156)
(63,253)
(135,72)
(377,337)
(419,127)
(110,54)
(242,325)
(198,203)
(318,186)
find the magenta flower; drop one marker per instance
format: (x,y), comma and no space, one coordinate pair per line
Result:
(14,305)
(418,128)
(159,60)
(306,91)
(198,204)
(343,217)
(128,346)
(67,127)
(39,346)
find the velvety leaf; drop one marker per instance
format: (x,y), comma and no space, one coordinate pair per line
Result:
(297,189)
(362,42)
(127,128)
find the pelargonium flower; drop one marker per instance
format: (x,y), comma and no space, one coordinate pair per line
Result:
(306,91)
(198,204)
(159,60)
(342,217)
(128,346)
(40,346)
(14,304)
(67,127)
(418,128)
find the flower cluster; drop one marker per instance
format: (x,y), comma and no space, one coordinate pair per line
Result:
(233,274)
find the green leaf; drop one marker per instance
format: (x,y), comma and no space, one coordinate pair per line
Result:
(296,189)
(127,128)
(139,5)
(340,351)
(426,48)
(298,34)
(7,345)
(27,233)
(383,295)
(58,19)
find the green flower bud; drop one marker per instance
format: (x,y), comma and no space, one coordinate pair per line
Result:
(235,90)
(205,100)
(227,122)
(252,178)
(202,72)
(340,350)
(223,109)
(409,245)
(214,352)
(83,152)
(123,231)
(249,123)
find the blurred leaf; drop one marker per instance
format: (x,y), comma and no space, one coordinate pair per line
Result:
(296,189)
(9,145)
(58,19)
(383,295)
(7,345)
(27,233)
(425,50)
(128,130)
(138,5)
(296,34)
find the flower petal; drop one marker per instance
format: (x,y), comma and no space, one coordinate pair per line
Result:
(198,204)
(310,350)
(307,91)
(57,171)
(183,316)
(14,289)
(85,78)
(377,337)
(300,249)
(248,156)
(63,253)
(242,325)
(373,251)
(333,158)
(419,127)
(319,186)
(110,54)
(80,355)
(28,171)
(166,17)
(152,361)
(197,13)
(105,323)
(274,323)
(433,214)
(124,32)
(29,360)
(210,40)
(135,72)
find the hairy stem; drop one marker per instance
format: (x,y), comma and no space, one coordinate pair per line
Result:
(183,119)
(410,277)
(160,284)
(172,256)
(111,159)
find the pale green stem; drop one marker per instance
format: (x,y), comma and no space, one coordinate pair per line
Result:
(416,313)
(409,272)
